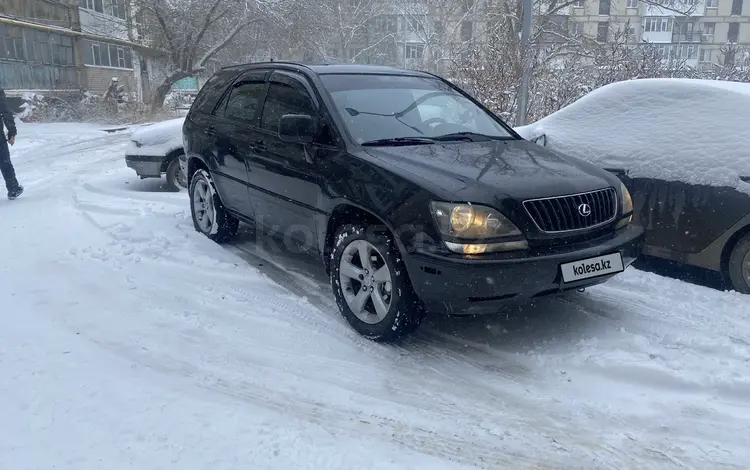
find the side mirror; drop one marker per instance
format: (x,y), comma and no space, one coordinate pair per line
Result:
(297,128)
(540,140)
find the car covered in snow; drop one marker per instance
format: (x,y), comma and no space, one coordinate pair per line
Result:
(156,150)
(682,147)
(446,211)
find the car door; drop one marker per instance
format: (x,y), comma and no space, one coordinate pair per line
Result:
(235,134)
(291,176)
(685,217)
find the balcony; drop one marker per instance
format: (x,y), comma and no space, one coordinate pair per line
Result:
(695,36)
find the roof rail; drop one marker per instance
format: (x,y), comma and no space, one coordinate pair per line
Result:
(275,62)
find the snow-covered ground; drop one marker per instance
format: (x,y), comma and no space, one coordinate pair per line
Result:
(129,341)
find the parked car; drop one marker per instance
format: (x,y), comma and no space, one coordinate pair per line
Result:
(454,213)
(683,149)
(156,150)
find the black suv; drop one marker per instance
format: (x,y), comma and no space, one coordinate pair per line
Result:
(414,195)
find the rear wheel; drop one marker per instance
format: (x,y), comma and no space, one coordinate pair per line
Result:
(739,266)
(209,215)
(175,179)
(371,285)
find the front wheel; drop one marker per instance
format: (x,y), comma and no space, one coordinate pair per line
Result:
(209,215)
(371,285)
(739,266)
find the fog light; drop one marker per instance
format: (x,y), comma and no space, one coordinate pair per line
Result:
(480,248)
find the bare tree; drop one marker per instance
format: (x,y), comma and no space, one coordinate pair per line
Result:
(190,33)
(441,28)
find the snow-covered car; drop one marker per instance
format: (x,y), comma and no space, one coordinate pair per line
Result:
(156,150)
(683,149)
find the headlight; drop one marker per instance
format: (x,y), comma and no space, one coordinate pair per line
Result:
(468,222)
(627,201)
(627,207)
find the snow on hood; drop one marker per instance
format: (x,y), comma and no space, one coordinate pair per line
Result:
(695,131)
(161,133)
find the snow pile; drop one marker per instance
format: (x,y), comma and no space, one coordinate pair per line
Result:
(30,103)
(157,139)
(694,131)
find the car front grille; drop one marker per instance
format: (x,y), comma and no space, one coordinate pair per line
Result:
(568,213)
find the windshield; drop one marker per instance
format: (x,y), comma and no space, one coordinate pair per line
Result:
(382,107)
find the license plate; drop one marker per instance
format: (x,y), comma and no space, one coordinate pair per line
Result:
(592,267)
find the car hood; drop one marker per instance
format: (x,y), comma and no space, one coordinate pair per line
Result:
(514,168)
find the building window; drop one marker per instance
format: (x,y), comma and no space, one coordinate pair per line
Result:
(705,55)
(729,58)
(709,29)
(102,54)
(604,7)
(93,5)
(632,3)
(414,51)
(602,31)
(736,7)
(734,32)
(657,24)
(11,43)
(118,9)
(467,30)
(576,28)
(578,4)
(688,51)
(712,3)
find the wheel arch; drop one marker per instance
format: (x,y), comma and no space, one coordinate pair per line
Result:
(170,157)
(194,164)
(346,213)
(729,247)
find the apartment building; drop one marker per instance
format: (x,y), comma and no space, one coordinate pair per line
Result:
(417,34)
(107,52)
(697,32)
(63,46)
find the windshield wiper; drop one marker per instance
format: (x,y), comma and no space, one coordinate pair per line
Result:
(399,141)
(472,136)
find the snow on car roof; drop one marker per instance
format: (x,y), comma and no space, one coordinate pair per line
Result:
(695,131)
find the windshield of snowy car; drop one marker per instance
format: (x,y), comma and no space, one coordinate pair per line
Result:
(381,108)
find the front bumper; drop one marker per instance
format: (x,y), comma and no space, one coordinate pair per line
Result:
(145,166)
(464,285)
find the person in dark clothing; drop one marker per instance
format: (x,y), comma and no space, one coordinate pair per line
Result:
(6,167)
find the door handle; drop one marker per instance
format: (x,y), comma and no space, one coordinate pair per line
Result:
(259,146)
(210,131)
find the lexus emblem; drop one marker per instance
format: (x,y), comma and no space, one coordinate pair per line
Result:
(584,210)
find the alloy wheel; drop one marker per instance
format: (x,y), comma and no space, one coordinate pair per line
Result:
(203,205)
(366,281)
(746,268)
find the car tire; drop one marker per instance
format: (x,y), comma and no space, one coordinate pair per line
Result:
(209,215)
(739,266)
(174,175)
(391,308)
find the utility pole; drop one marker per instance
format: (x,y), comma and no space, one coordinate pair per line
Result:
(523,92)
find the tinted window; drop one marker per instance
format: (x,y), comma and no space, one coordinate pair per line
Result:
(245,101)
(206,100)
(284,99)
(375,107)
